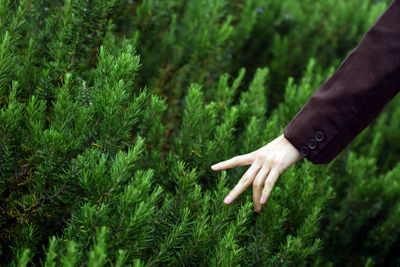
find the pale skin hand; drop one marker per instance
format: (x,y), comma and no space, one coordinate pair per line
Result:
(267,164)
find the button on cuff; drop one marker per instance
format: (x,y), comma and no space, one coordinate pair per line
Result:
(312,144)
(319,136)
(304,151)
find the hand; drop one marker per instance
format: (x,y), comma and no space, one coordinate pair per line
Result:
(267,163)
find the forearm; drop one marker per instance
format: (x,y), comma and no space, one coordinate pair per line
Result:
(354,95)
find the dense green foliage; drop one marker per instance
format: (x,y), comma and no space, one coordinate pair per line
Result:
(112,112)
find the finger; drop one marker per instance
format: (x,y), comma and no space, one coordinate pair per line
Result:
(241,160)
(269,184)
(257,186)
(243,183)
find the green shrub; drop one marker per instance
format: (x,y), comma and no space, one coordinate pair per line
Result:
(112,112)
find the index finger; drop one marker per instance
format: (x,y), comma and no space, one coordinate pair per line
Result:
(241,160)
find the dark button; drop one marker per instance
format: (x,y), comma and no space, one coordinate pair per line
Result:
(319,136)
(304,151)
(312,144)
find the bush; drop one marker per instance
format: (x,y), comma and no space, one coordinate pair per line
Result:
(112,113)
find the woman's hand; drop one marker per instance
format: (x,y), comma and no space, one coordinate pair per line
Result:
(267,163)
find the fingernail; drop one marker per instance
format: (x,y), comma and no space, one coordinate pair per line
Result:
(262,200)
(228,199)
(257,207)
(213,166)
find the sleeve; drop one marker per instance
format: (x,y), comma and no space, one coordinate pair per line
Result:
(346,103)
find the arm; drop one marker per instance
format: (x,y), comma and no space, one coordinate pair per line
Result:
(353,96)
(339,110)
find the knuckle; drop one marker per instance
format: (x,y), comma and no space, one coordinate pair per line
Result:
(270,157)
(269,185)
(278,161)
(245,180)
(257,185)
(257,164)
(259,157)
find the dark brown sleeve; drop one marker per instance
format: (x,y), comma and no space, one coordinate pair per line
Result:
(353,96)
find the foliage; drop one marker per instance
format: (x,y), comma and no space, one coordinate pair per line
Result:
(112,112)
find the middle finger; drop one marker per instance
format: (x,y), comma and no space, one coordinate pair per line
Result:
(257,186)
(243,183)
